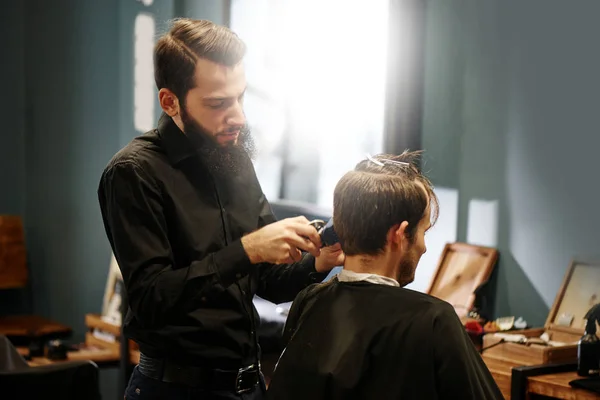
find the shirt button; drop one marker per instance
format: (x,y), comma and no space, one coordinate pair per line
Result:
(238,275)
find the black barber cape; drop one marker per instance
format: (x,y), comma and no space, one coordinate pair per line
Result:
(358,340)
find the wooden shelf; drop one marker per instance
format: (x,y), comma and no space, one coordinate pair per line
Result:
(91,340)
(110,349)
(95,321)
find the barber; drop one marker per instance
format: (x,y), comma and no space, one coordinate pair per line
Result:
(193,233)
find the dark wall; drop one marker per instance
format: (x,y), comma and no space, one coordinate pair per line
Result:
(72,130)
(12,106)
(13,169)
(511,115)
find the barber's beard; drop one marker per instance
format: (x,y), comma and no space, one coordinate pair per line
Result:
(223,161)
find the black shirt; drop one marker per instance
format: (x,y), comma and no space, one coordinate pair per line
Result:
(358,340)
(175,231)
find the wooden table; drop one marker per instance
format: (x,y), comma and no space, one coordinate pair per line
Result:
(101,356)
(501,371)
(557,386)
(32,326)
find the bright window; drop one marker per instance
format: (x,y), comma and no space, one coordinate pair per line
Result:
(316,75)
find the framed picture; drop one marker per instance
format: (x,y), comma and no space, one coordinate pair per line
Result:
(462,268)
(579,292)
(114,278)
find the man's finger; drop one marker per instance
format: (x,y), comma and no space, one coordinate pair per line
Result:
(301,219)
(303,243)
(295,254)
(309,232)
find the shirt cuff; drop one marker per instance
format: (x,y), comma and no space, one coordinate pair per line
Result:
(232,263)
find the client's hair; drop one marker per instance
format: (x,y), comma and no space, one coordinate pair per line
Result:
(381,191)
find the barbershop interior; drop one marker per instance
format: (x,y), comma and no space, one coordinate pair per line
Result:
(499,99)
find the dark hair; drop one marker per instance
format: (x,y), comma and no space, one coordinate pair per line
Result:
(381,191)
(176,53)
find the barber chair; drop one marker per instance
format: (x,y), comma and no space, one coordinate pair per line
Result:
(64,380)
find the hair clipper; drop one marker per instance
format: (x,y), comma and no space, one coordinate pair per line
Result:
(326,232)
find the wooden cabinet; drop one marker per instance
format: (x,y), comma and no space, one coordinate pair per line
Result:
(565,323)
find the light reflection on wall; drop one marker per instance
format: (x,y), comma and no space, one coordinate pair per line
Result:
(482,226)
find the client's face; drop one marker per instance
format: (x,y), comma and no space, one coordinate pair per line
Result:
(410,260)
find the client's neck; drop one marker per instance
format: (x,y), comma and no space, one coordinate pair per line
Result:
(385,264)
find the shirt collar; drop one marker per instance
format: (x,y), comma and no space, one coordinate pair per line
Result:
(351,276)
(177,145)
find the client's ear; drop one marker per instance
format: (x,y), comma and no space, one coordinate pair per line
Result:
(398,234)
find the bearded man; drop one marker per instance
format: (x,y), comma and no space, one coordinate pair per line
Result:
(192,231)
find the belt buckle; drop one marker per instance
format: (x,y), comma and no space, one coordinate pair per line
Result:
(239,380)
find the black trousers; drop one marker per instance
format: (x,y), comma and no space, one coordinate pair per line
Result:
(143,388)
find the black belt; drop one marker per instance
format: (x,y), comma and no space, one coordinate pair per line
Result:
(242,380)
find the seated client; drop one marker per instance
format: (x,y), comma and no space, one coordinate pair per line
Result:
(362,335)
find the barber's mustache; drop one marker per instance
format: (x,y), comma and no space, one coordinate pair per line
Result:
(234,129)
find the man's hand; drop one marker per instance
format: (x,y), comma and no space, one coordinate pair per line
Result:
(282,242)
(331,256)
